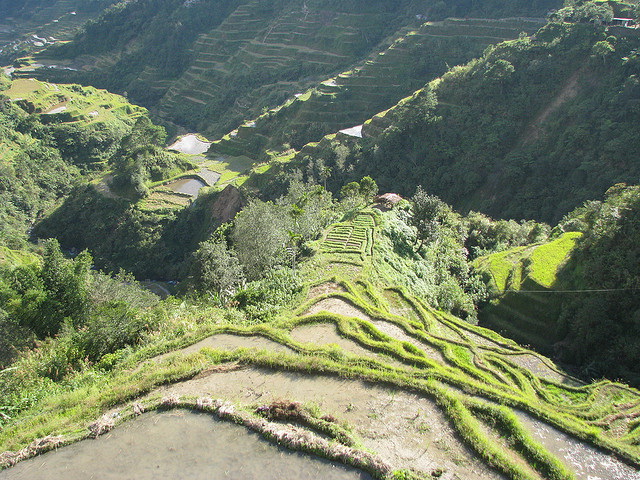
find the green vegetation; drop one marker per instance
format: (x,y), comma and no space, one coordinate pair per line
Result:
(31,25)
(434,353)
(531,129)
(179,56)
(290,263)
(52,136)
(577,293)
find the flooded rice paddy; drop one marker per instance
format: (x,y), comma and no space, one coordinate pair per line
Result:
(406,430)
(191,145)
(187,186)
(587,462)
(178,445)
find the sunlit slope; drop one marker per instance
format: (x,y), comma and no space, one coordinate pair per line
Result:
(258,56)
(514,134)
(523,281)
(72,103)
(457,384)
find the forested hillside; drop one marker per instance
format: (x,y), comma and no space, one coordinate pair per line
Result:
(53,136)
(530,130)
(222,62)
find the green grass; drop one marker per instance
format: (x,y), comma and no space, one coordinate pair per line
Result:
(86,105)
(547,258)
(539,263)
(477,385)
(229,167)
(15,258)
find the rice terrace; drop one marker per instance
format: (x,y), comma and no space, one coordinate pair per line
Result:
(360,373)
(357,239)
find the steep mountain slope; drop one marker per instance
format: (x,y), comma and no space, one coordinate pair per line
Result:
(532,129)
(27,26)
(222,63)
(352,97)
(577,296)
(52,136)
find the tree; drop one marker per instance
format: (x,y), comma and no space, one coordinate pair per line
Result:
(602,49)
(427,215)
(260,235)
(217,269)
(60,292)
(368,188)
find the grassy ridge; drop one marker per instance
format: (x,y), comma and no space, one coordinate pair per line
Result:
(516,275)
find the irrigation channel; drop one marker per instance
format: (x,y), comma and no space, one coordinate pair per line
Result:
(179,444)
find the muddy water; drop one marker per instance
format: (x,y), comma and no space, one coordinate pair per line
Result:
(178,445)
(191,145)
(338,306)
(225,341)
(399,334)
(341,307)
(406,430)
(324,334)
(188,186)
(587,462)
(542,370)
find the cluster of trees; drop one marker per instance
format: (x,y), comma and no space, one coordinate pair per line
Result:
(600,323)
(141,159)
(594,11)
(33,176)
(585,11)
(434,247)
(97,314)
(532,129)
(262,246)
(44,160)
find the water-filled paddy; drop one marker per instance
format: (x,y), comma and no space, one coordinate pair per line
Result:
(178,444)
(188,186)
(191,145)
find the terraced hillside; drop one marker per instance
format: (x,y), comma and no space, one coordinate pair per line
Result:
(258,58)
(214,68)
(526,307)
(360,372)
(413,59)
(29,26)
(72,103)
(482,137)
